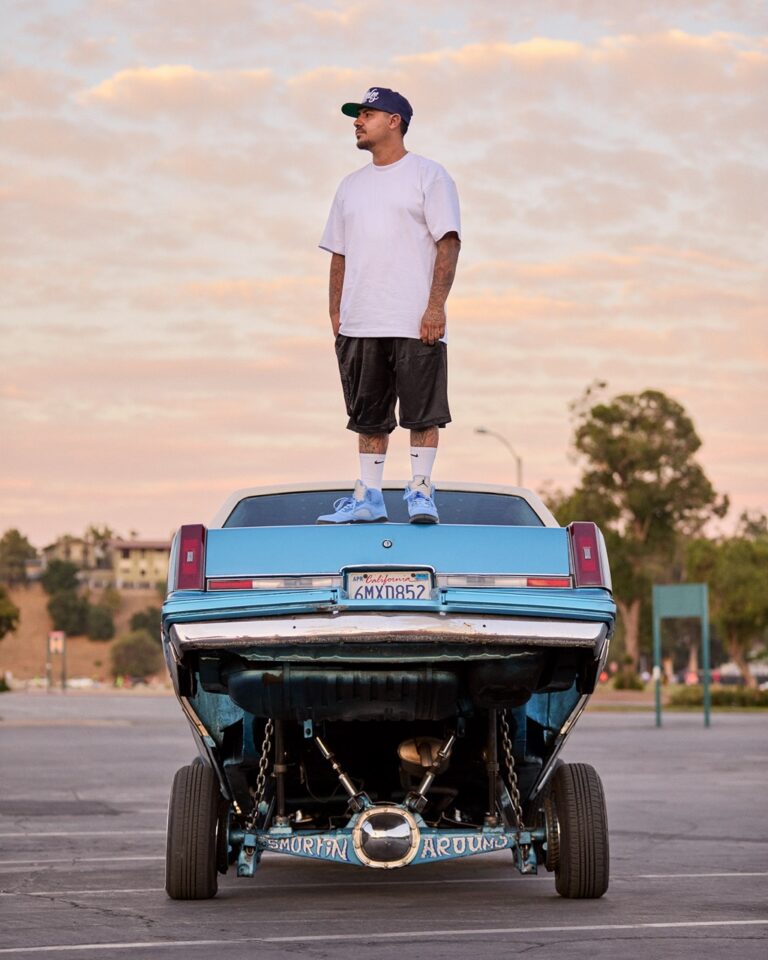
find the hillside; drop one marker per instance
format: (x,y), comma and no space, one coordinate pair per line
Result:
(23,652)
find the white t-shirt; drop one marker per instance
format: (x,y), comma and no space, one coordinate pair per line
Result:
(386,221)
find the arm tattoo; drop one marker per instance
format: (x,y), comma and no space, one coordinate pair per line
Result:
(445,269)
(336,283)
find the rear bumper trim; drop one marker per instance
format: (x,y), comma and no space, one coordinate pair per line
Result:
(386,628)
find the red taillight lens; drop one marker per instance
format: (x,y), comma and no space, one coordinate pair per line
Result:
(191,563)
(548,582)
(585,543)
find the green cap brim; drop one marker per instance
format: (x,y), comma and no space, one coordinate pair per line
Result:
(351,109)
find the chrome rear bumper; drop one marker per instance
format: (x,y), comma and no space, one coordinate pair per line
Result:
(383,628)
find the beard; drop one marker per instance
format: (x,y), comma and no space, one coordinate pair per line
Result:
(363,143)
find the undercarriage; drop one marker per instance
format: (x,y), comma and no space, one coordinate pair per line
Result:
(386,755)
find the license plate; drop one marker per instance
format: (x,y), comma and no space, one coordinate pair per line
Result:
(389,585)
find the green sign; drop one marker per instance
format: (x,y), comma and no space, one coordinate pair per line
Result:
(677,601)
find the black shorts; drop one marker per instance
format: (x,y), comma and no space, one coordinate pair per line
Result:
(378,371)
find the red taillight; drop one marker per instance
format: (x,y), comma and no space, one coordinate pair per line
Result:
(230,584)
(191,562)
(548,581)
(587,563)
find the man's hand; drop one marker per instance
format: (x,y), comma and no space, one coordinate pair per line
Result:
(335,323)
(432,325)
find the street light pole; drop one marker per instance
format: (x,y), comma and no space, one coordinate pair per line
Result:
(502,439)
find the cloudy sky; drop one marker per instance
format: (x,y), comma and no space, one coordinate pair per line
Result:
(166,169)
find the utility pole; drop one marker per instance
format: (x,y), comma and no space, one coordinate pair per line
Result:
(502,439)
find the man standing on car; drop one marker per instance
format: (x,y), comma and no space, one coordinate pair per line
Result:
(394,236)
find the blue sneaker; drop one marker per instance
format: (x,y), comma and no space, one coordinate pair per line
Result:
(419,495)
(364,506)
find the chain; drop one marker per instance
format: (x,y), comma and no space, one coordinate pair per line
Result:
(514,791)
(261,779)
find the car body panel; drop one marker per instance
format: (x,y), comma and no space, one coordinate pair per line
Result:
(252,551)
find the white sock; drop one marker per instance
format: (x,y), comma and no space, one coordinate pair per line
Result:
(372,469)
(422,461)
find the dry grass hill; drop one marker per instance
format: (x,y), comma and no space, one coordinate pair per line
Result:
(23,652)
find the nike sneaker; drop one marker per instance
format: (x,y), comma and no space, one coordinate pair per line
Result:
(364,506)
(419,495)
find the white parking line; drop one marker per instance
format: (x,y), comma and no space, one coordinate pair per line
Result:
(390,935)
(79,893)
(378,884)
(506,931)
(39,863)
(128,832)
(693,876)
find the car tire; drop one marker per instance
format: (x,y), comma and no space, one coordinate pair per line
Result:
(582,868)
(191,842)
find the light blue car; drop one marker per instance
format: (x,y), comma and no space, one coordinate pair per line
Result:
(388,694)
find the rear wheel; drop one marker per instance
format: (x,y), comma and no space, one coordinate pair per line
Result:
(582,867)
(193,815)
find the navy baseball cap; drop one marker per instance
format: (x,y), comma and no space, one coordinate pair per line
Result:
(381,98)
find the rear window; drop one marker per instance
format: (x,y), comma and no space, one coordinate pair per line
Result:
(455,506)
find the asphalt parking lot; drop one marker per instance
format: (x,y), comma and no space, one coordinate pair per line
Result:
(83,793)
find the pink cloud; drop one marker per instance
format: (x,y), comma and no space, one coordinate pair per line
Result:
(44,136)
(342,16)
(33,88)
(178,89)
(91,51)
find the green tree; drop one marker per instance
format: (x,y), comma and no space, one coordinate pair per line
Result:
(644,487)
(59,576)
(68,612)
(99,537)
(148,620)
(15,551)
(100,624)
(111,598)
(135,655)
(9,613)
(736,569)
(753,524)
